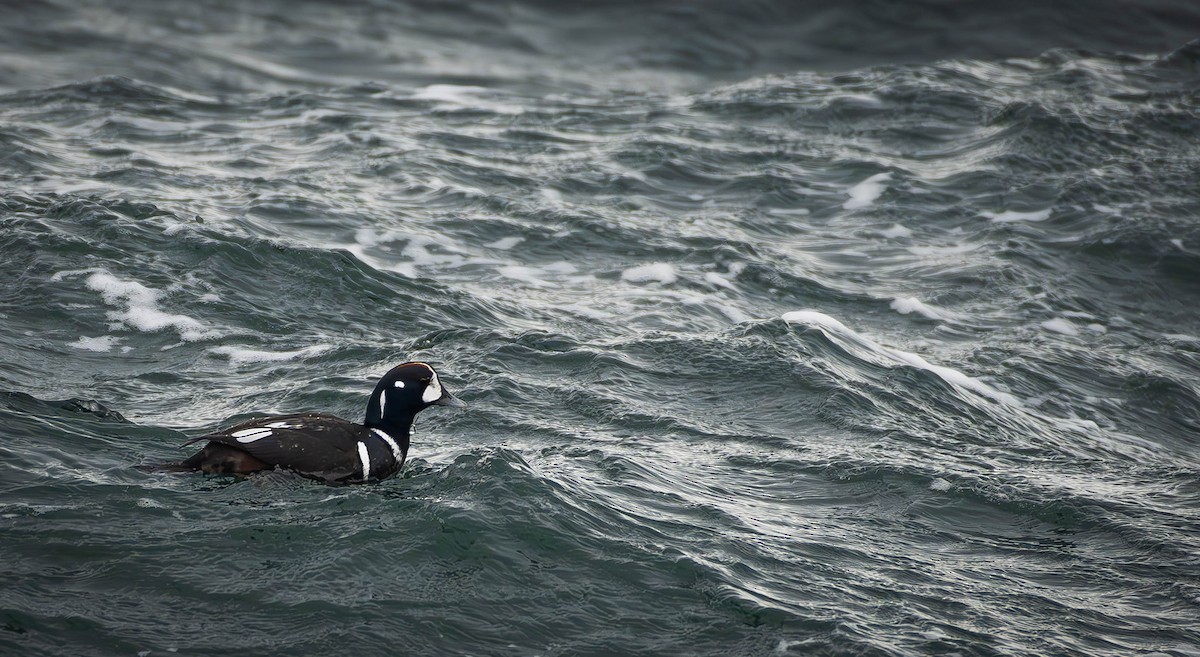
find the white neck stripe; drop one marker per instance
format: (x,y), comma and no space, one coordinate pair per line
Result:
(391,443)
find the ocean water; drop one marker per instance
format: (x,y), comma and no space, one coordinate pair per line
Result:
(785,328)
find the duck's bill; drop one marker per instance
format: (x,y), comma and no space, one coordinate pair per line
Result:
(450,400)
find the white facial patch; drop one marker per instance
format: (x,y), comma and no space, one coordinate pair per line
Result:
(365,458)
(433,391)
(391,443)
(398,384)
(252,434)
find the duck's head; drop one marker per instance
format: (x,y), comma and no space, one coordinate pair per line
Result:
(405,391)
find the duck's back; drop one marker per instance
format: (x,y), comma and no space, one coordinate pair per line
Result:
(315,444)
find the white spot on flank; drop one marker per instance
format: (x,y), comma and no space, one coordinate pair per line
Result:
(433,391)
(391,443)
(252,434)
(366,460)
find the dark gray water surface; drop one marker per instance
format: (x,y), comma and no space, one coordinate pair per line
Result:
(866,329)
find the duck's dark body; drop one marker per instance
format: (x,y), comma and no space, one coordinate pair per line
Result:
(322,446)
(327,447)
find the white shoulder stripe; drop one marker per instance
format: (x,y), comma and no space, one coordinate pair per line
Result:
(391,443)
(366,460)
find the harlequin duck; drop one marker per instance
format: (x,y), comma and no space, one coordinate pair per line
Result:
(326,447)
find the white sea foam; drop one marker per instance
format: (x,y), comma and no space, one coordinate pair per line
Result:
(659,271)
(99,344)
(883,355)
(457,94)
(505,243)
(60,276)
(1061,325)
(452,96)
(242,355)
(1011,215)
(866,192)
(586,311)
(787,212)
(527,275)
(896,231)
(717,280)
(139,304)
(906,305)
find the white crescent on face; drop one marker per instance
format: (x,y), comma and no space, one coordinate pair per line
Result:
(433,391)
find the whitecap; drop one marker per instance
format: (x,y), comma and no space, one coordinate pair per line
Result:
(527,275)
(101,344)
(1011,215)
(896,230)
(906,305)
(866,192)
(659,271)
(1060,325)
(242,355)
(717,280)
(505,243)
(888,356)
(450,93)
(141,311)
